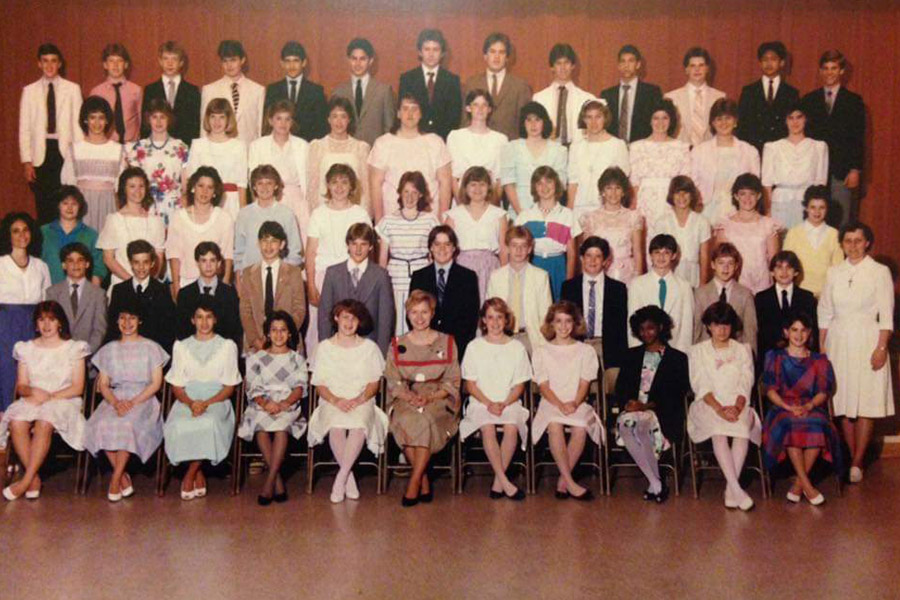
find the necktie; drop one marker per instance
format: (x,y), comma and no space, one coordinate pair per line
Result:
(358,97)
(516,295)
(170,93)
(562,124)
(74,298)
(494,87)
(51,109)
(118,114)
(431,87)
(785,302)
(441,286)
(270,292)
(208,288)
(592,308)
(293,91)
(829,100)
(770,96)
(354,276)
(140,290)
(235,96)
(698,122)
(723,295)
(662,293)
(624,117)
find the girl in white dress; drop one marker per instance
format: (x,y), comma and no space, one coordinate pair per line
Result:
(564,369)
(496,369)
(276,384)
(656,160)
(722,378)
(814,241)
(133,221)
(790,165)
(477,145)
(480,227)
(855,324)
(689,228)
(591,156)
(347,377)
(49,388)
(224,151)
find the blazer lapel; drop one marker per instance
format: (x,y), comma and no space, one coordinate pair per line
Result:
(366,283)
(281,283)
(368,96)
(253,282)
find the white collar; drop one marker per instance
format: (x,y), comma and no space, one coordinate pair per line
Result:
(274,264)
(298,79)
(140,282)
(357,265)
(780,288)
(445,266)
(633,83)
(599,278)
(176,79)
(79,283)
(697,88)
(426,71)
(776,80)
(834,89)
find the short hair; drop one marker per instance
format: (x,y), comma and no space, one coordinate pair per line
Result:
(53,309)
(34,247)
(519,232)
(594,105)
(663,241)
(748,181)
(786,256)
(630,49)
(71,191)
(355,308)
(171,47)
(796,106)
(832,56)
(230,49)
(668,107)
(206,304)
(293,48)
(546,172)
(159,105)
(579,330)
(594,241)
(406,97)
(343,170)
(559,51)
(475,173)
(616,176)
(361,231)
(284,317)
(538,110)
(345,105)
(495,37)
(266,172)
(726,250)
(417,297)
(776,47)
(280,106)
(95,104)
(115,49)
(817,192)
(446,230)
(48,48)
(218,186)
(76,248)
(851,227)
(361,44)
(127,305)
(721,313)
(805,319)
(204,248)
(653,314)
(683,183)
(136,247)
(221,106)
(500,306)
(418,181)
(275,230)
(723,107)
(431,35)
(122,193)
(476,93)
(696,52)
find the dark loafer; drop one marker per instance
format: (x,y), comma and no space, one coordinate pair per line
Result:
(264,500)
(426,498)
(518,496)
(587,496)
(407,502)
(280,498)
(562,495)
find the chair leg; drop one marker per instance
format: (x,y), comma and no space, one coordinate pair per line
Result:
(693,466)
(675,471)
(763,479)
(4,465)
(310,469)
(163,476)
(236,469)
(83,474)
(607,472)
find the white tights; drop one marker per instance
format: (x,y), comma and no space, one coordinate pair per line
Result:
(639,443)
(346,447)
(731,459)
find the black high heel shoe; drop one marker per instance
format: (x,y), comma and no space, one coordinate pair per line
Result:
(407,502)
(426,498)
(280,498)
(264,500)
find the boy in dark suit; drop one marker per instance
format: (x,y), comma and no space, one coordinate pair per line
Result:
(774,304)
(182,97)
(437,89)
(225,299)
(308,98)
(631,102)
(764,103)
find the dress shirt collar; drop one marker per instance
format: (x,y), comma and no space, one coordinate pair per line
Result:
(212,283)
(632,82)
(723,284)
(364,79)
(697,88)
(445,266)
(54,81)
(166,79)
(599,278)
(112,81)
(236,80)
(667,275)
(144,283)
(79,282)
(298,79)
(776,80)
(521,269)
(569,85)
(834,89)
(426,71)
(362,266)
(789,288)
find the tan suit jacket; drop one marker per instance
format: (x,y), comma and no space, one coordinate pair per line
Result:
(290,296)
(513,95)
(378,109)
(740,299)
(681,98)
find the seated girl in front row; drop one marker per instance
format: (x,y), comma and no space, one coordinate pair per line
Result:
(496,369)
(200,425)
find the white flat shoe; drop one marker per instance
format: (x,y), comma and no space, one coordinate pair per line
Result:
(7,493)
(199,492)
(188,495)
(128,492)
(792,497)
(746,504)
(337,494)
(351,491)
(817,500)
(114,497)
(856,475)
(729,501)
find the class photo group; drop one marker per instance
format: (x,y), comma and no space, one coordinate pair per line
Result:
(440,275)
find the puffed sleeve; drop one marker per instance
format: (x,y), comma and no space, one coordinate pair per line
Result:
(178,374)
(156,356)
(704,229)
(110,235)
(103,358)
(575,225)
(821,176)
(472,360)
(227,232)
(745,366)
(254,381)
(440,155)
(324,373)
(157,232)
(241,164)
(378,157)
(78,350)
(825,382)
(373,362)
(362,153)
(685,159)
(384,234)
(454,147)
(230,374)
(315,226)
(771,371)
(701,382)
(452,377)
(590,364)
(622,159)
(22,351)
(768,165)
(300,374)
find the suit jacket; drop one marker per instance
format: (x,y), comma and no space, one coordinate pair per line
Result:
(680,98)
(290,296)
(536,298)
(614,332)
(844,130)
(33,119)
(250,109)
(670,384)
(646,97)
(741,300)
(549,99)
(644,290)
(770,318)
(458,315)
(89,325)
(310,111)
(186,109)
(227,306)
(159,322)
(378,110)
(442,116)
(513,94)
(374,290)
(759,121)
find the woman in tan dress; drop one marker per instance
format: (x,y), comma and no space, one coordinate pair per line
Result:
(423,381)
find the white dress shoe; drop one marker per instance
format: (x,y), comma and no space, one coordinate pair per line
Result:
(7,493)
(189,495)
(730,502)
(856,474)
(199,492)
(746,503)
(337,493)
(817,500)
(792,497)
(128,492)
(351,490)
(114,497)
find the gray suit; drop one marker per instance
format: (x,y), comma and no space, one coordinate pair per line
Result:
(378,109)
(740,299)
(89,325)
(513,95)
(374,290)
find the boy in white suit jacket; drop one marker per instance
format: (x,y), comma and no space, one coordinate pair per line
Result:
(695,98)
(246,96)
